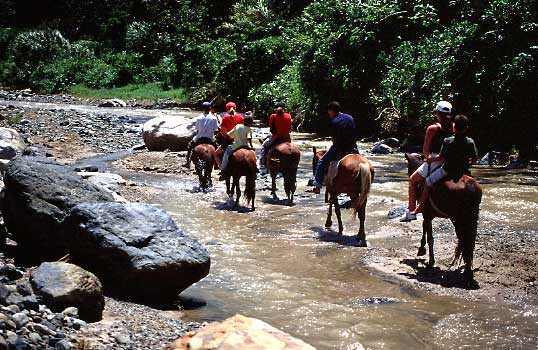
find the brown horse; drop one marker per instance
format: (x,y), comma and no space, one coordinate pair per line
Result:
(284,158)
(203,159)
(354,177)
(242,163)
(460,202)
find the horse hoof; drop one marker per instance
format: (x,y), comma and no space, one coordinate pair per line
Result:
(430,265)
(421,251)
(362,243)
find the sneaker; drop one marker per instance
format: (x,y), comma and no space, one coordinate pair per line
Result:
(263,171)
(408,217)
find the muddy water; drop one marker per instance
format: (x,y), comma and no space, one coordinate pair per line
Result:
(278,264)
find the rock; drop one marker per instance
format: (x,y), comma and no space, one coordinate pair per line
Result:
(116,102)
(63,285)
(38,194)
(10,271)
(24,288)
(396,212)
(34,337)
(108,181)
(3,344)
(20,319)
(4,293)
(11,143)
(11,338)
(30,302)
(172,133)
(70,311)
(34,151)
(381,148)
(238,332)
(63,345)
(391,142)
(135,249)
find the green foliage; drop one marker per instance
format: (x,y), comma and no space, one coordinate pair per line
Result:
(151,91)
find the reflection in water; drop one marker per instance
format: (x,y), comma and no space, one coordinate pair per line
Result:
(277,264)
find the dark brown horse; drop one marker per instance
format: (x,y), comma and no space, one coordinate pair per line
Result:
(284,158)
(242,163)
(354,177)
(203,159)
(460,202)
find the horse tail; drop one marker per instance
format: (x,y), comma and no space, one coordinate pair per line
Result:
(250,186)
(363,180)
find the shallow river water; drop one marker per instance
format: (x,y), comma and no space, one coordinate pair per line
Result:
(278,264)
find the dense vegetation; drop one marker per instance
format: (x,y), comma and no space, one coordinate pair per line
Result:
(387,61)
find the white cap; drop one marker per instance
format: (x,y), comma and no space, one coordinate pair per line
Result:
(443,107)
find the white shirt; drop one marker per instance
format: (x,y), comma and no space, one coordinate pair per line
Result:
(206,125)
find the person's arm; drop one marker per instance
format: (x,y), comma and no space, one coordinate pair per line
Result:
(231,133)
(430,133)
(272,127)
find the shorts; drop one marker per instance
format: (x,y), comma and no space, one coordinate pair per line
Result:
(435,177)
(426,169)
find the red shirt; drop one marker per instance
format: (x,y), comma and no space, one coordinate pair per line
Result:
(282,124)
(228,123)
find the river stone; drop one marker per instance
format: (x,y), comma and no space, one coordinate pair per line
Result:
(381,148)
(239,332)
(115,102)
(168,132)
(38,194)
(136,250)
(11,143)
(64,285)
(110,182)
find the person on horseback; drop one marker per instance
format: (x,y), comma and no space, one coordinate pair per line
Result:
(457,153)
(280,127)
(433,140)
(242,136)
(344,139)
(206,125)
(229,121)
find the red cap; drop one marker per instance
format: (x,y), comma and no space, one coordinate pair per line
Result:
(230,105)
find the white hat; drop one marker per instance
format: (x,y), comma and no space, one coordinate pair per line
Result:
(443,107)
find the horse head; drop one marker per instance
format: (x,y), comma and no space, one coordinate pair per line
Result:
(414,160)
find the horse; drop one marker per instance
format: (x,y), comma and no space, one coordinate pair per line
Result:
(459,202)
(284,158)
(203,159)
(242,163)
(354,177)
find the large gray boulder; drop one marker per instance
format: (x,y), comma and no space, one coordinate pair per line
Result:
(38,194)
(168,132)
(135,249)
(64,285)
(11,143)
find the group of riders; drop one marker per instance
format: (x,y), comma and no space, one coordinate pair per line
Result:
(448,152)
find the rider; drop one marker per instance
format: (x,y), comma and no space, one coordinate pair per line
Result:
(229,121)
(242,136)
(435,135)
(280,127)
(344,139)
(458,154)
(206,125)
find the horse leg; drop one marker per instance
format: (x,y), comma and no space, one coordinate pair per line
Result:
(329,222)
(229,191)
(422,248)
(427,228)
(273,185)
(238,190)
(361,237)
(338,215)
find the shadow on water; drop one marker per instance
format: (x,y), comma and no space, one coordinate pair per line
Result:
(435,275)
(334,237)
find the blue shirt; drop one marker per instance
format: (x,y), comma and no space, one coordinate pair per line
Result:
(343,133)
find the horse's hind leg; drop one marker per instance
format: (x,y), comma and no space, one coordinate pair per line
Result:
(422,248)
(427,228)
(238,191)
(329,222)
(273,185)
(361,236)
(338,215)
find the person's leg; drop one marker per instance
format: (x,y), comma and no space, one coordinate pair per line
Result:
(328,157)
(189,152)
(265,148)
(431,180)
(414,181)
(226,158)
